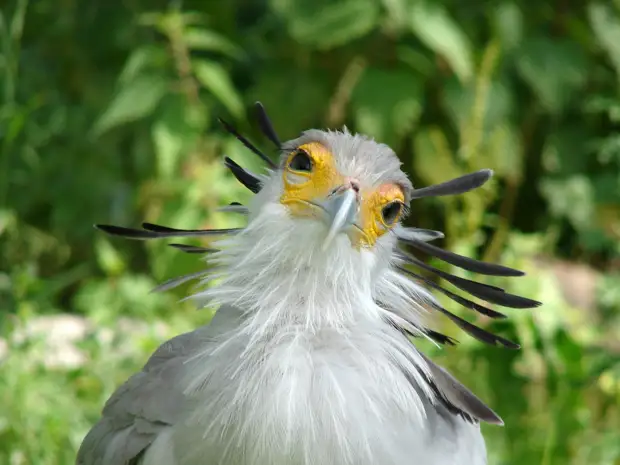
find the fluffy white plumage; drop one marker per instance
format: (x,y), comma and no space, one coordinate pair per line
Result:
(303,363)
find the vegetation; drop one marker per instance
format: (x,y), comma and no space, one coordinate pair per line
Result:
(108,114)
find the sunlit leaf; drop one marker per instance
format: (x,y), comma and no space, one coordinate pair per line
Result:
(608,149)
(147,58)
(397,13)
(17,22)
(434,26)
(203,39)
(326,24)
(605,22)
(217,81)
(505,152)
(109,259)
(572,198)
(135,100)
(508,22)
(171,19)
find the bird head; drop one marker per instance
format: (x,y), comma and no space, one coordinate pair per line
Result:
(333,199)
(348,184)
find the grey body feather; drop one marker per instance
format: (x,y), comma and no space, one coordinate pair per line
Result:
(151,403)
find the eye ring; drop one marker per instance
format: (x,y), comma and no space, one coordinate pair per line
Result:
(300,161)
(391,212)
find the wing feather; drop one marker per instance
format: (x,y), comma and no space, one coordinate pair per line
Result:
(149,402)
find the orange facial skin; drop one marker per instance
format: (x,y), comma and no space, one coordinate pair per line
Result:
(302,188)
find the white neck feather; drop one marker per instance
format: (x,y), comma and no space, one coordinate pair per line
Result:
(311,332)
(277,273)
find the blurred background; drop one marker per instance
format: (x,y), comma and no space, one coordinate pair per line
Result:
(108,114)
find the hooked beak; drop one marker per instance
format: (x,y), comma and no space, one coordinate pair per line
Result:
(341,209)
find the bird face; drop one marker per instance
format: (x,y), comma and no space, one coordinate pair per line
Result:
(352,185)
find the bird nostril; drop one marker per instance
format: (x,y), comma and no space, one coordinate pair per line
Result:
(349,183)
(354,184)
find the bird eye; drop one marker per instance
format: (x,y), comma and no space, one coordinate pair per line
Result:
(391,212)
(301,161)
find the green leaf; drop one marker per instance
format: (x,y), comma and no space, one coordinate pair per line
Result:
(608,149)
(565,151)
(460,100)
(434,159)
(505,152)
(607,188)
(173,134)
(109,259)
(168,147)
(142,59)
(396,13)
(572,198)
(202,39)
(416,59)
(554,69)
(151,19)
(18,19)
(603,104)
(508,24)
(136,99)
(439,32)
(387,103)
(606,25)
(327,24)
(217,81)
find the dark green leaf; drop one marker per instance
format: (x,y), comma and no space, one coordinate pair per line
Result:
(282,89)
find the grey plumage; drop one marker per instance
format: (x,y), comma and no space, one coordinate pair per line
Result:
(148,402)
(308,360)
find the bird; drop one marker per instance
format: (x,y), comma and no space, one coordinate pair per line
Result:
(311,356)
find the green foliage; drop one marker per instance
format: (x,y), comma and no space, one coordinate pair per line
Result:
(433,25)
(108,115)
(325,24)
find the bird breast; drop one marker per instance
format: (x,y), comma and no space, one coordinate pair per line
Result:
(299,398)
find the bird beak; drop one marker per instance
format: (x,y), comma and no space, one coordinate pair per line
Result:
(342,208)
